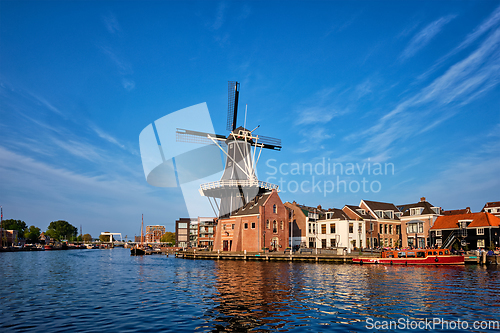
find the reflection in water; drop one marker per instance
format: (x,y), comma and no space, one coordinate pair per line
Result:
(109,290)
(289,296)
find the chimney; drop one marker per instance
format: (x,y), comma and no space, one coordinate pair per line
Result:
(422,199)
(319,207)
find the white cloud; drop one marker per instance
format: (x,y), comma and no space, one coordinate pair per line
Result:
(106,136)
(111,23)
(128,84)
(219,17)
(423,37)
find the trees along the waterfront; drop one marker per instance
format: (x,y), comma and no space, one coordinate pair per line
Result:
(168,237)
(61,229)
(32,234)
(18,225)
(87,238)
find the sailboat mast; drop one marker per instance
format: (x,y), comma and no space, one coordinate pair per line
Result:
(142,229)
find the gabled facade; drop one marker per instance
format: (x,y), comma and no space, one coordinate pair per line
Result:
(154,233)
(474,230)
(261,223)
(492,208)
(382,223)
(337,230)
(304,221)
(416,222)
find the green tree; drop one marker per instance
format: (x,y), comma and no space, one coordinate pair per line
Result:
(18,225)
(87,238)
(61,230)
(32,234)
(168,237)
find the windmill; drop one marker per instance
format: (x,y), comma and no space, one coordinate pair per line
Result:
(238,184)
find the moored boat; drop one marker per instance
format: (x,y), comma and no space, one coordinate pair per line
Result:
(414,257)
(138,249)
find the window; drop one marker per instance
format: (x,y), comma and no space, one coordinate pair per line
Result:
(310,228)
(390,229)
(381,229)
(246,225)
(253,225)
(480,243)
(232,226)
(351,228)
(398,230)
(436,210)
(323,229)
(398,214)
(323,243)
(182,225)
(439,233)
(379,213)
(389,214)
(267,224)
(416,211)
(275,226)
(361,211)
(420,227)
(332,242)
(332,228)
(282,227)
(385,229)
(480,231)
(223,227)
(275,210)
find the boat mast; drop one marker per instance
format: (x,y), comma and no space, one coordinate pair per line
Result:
(142,228)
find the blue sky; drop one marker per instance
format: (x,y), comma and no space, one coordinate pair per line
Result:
(413,83)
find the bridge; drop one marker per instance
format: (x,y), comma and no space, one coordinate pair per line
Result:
(110,234)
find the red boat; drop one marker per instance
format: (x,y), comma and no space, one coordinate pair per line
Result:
(414,257)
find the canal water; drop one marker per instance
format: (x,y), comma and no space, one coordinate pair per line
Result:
(111,291)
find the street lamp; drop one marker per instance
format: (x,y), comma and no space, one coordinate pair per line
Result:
(264,241)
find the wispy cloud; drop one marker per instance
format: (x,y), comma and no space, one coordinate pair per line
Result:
(219,17)
(128,84)
(459,85)
(79,149)
(48,105)
(111,23)
(124,67)
(106,136)
(489,23)
(424,36)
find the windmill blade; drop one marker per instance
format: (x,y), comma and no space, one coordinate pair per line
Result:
(183,135)
(233,93)
(269,143)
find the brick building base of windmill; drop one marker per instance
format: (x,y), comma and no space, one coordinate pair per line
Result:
(261,223)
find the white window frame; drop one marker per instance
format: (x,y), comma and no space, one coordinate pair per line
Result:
(480,231)
(439,233)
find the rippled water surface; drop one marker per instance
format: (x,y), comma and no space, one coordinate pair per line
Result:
(108,290)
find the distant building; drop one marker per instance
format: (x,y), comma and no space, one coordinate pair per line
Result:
(335,229)
(416,221)
(303,224)
(474,230)
(154,233)
(492,208)
(206,232)
(193,233)
(9,237)
(182,231)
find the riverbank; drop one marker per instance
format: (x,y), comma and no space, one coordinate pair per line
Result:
(309,257)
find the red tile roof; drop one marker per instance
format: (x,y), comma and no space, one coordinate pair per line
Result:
(478,220)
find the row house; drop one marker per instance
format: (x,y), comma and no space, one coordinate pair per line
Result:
(492,208)
(416,221)
(382,222)
(472,230)
(337,230)
(303,228)
(262,223)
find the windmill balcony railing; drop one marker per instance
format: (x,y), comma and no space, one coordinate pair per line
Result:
(239,182)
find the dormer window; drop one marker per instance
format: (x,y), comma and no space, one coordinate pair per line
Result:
(389,214)
(416,211)
(379,213)
(436,210)
(361,211)
(398,214)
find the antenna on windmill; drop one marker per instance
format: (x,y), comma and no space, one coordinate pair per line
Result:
(245,122)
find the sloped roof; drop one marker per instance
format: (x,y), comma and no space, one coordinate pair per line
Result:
(405,209)
(456,211)
(337,214)
(252,207)
(478,220)
(375,205)
(367,214)
(491,204)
